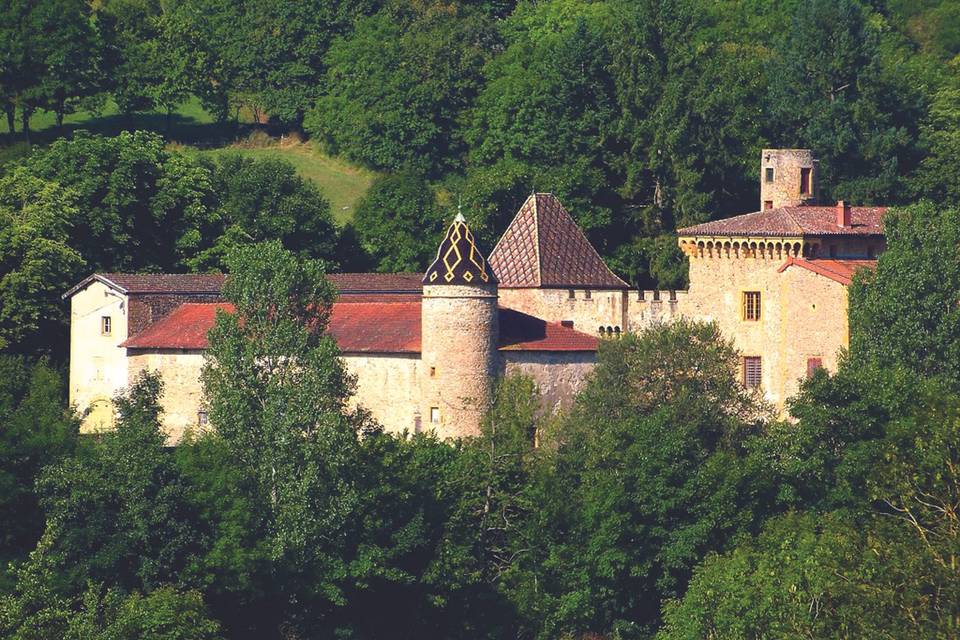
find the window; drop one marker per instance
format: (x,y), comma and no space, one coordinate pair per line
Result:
(433,372)
(202,418)
(106,326)
(435,415)
(752,371)
(812,365)
(586,294)
(751,305)
(805,175)
(768,204)
(571,294)
(769,174)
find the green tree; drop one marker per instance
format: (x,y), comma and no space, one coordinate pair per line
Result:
(277,392)
(652,470)
(906,313)
(164,614)
(397,89)
(37,261)
(833,93)
(35,430)
(399,223)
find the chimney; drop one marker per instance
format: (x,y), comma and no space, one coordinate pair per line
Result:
(843,215)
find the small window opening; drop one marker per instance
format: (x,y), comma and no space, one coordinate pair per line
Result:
(203,419)
(768,204)
(601,330)
(586,294)
(106,326)
(752,371)
(751,305)
(433,372)
(435,415)
(571,294)
(813,364)
(805,186)
(769,174)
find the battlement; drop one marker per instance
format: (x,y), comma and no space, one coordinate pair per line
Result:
(650,306)
(770,248)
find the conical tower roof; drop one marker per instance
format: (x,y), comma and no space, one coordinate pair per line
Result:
(544,247)
(459,260)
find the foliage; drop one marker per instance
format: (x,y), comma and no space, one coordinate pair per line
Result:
(651,471)
(906,314)
(399,223)
(396,89)
(35,430)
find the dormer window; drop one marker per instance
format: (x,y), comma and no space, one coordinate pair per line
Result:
(106,326)
(768,174)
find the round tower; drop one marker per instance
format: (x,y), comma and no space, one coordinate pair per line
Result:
(459,332)
(788,178)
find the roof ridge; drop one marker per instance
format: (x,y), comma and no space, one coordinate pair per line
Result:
(537,236)
(796,224)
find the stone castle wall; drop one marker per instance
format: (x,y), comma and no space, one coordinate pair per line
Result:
(603,308)
(98,365)
(784,189)
(388,385)
(182,399)
(558,375)
(459,331)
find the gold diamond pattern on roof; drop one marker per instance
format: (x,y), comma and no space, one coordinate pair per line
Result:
(459,260)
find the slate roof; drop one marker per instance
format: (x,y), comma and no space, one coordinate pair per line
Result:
(145,283)
(459,261)
(365,327)
(838,270)
(793,221)
(544,247)
(212,283)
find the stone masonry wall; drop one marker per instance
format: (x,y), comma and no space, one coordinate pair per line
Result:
(604,307)
(98,365)
(388,385)
(182,398)
(784,190)
(459,331)
(558,375)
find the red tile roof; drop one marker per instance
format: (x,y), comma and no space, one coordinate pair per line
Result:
(365,327)
(376,327)
(793,221)
(838,270)
(522,332)
(544,247)
(377,282)
(185,327)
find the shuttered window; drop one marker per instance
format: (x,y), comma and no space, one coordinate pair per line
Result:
(752,371)
(751,305)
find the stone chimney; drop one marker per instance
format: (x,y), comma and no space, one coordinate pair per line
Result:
(843,215)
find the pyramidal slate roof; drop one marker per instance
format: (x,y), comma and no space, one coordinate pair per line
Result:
(544,247)
(459,260)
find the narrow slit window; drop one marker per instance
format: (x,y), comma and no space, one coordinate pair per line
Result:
(805,186)
(751,305)
(571,294)
(752,371)
(586,294)
(435,415)
(106,326)
(433,372)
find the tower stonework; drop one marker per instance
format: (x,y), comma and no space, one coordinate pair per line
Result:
(459,333)
(788,178)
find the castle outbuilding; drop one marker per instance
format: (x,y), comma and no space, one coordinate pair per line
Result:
(426,349)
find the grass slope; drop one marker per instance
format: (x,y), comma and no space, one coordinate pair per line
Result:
(192,130)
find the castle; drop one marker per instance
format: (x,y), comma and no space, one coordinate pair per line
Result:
(426,349)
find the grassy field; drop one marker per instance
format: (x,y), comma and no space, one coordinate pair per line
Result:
(193,130)
(342,183)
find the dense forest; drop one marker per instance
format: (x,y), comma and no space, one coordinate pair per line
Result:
(668,503)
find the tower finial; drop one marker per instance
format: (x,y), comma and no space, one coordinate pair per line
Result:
(459,217)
